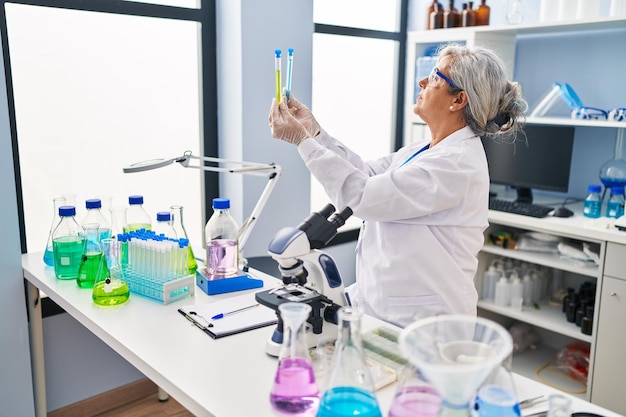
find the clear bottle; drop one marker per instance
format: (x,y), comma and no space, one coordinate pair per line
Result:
(48,257)
(490,278)
(295,391)
(221,234)
(503,292)
(164,225)
(90,261)
(615,205)
(415,396)
(429,11)
(68,243)
(593,203)
(181,232)
(95,215)
(482,14)
(110,287)
(136,216)
(350,389)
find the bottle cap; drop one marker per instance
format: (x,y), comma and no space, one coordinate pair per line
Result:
(617,189)
(135,199)
(594,188)
(66,211)
(221,203)
(163,216)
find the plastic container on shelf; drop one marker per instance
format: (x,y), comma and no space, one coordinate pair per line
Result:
(503,292)
(593,202)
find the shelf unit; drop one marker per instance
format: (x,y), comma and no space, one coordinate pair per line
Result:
(606,342)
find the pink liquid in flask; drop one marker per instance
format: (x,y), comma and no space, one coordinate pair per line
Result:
(416,401)
(295,391)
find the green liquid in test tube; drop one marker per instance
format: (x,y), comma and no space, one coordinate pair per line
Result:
(277,65)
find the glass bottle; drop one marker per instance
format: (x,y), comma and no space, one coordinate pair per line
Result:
(95,215)
(436,17)
(615,205)
(350,389)
(110,287)
(164,225)
(90,261)
(221,234)
(68,242)
(430,10)
(294,392)
(469,15)
(48,256)
(415,396)
(514,14)
(482,14)
(593,203)
(181,232)
(451,16)
(136,216)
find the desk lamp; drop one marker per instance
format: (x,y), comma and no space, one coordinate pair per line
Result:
(271,171)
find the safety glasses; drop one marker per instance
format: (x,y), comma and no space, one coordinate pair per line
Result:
(435,75)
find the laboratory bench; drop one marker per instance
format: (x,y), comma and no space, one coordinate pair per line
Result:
(230,376)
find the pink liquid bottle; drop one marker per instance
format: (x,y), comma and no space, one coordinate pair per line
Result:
(222,247)
(295,391)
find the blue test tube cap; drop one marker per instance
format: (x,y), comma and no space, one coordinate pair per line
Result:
(290,51)
(135,199)
(66,211)
(277,52)
(93,203)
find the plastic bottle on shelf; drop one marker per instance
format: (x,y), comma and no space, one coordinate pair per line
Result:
(490,278)
(430,10)
(136,216)
(503,292)
(615,205)
(527,289)
(517,292)
(95,215)
(164,225)
(68,244)
(221,234)
(482,13)
(593,203)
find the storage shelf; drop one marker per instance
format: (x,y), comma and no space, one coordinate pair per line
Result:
(556,121)
(546,259)
(546,317)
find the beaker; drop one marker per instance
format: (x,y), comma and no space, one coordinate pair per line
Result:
(179,228)
(350,388)
(48,256)
(295,391)
(110,287)
(415,396)
(90,261)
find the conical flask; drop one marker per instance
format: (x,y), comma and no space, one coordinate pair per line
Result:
(415,396)
(48,256)
(110,287)
(497,396)
(350,388)
(295,391)
(90,261)
(181,232)
(613,171)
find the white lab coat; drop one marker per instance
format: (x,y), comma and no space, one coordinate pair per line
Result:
(423,222)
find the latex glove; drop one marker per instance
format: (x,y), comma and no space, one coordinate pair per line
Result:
(288,125)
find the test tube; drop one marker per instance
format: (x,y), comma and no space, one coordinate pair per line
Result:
(289,71)
(277,66)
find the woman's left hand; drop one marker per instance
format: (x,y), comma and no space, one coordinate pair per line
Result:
(284,125)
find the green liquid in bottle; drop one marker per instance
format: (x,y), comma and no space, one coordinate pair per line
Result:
(192,264)
(110,292)
(90,263)
(137,226)
(68,251)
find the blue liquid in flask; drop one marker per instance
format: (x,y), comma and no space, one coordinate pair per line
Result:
(348,401)
(493,401)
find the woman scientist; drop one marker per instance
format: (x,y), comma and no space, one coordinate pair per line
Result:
(424,207)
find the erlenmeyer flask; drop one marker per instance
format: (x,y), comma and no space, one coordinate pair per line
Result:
(415,396)
(48,256)
(181,232)
(118,220)
(350,389)
(497,396)
(613,171)
(90,261)
(295,391)
(110,287)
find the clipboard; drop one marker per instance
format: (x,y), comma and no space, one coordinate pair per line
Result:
(252,316)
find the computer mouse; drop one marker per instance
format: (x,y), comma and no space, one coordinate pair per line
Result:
(562,212)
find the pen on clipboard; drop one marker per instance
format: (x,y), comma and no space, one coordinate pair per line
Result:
(222,315)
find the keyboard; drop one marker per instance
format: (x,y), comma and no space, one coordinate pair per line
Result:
(525,209)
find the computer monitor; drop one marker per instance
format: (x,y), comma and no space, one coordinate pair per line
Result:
(542,163)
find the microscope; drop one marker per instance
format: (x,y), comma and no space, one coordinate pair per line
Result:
(308,274)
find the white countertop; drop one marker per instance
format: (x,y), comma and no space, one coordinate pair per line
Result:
(224,377)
